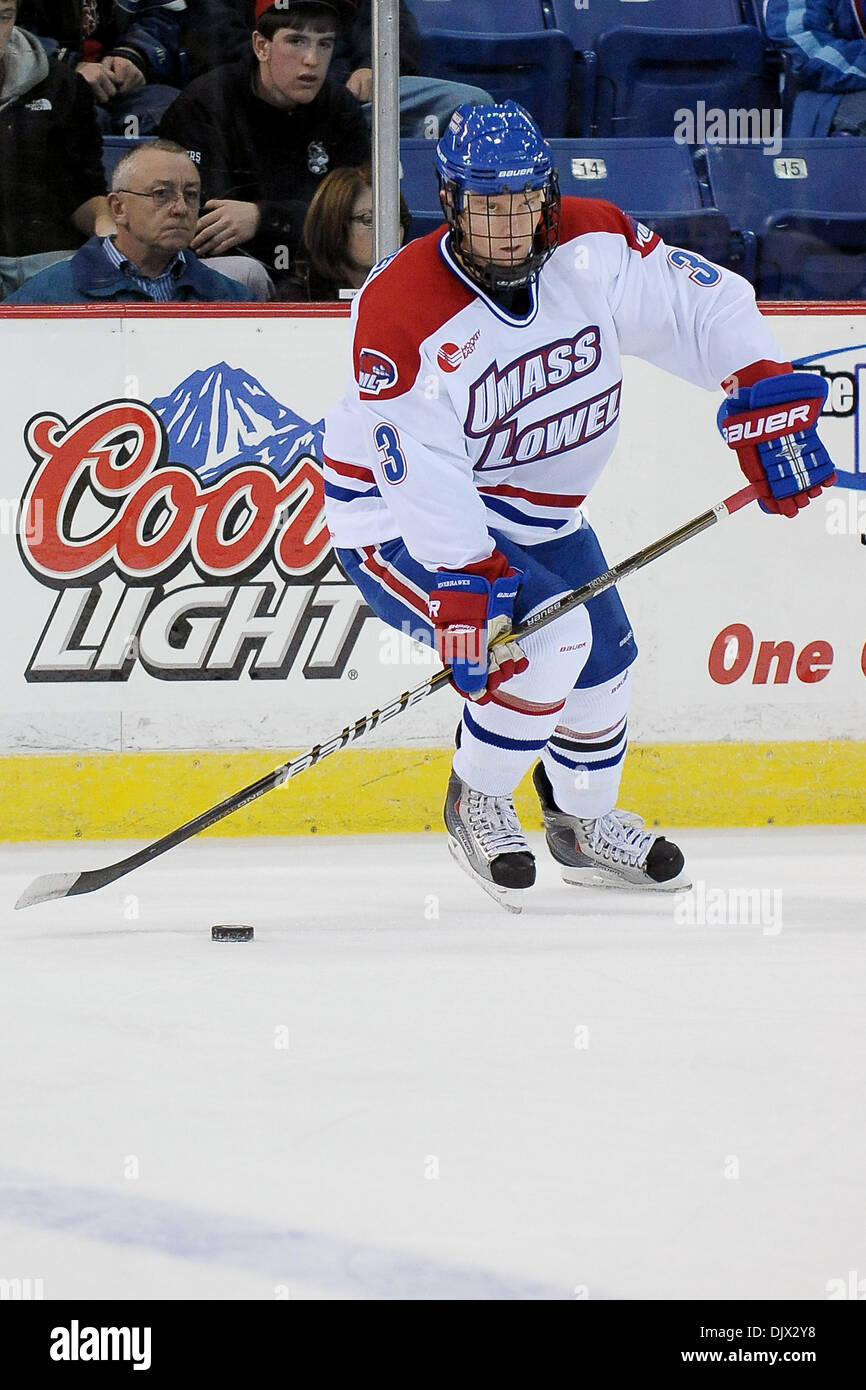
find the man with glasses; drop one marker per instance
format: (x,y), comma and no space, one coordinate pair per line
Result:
(154,199)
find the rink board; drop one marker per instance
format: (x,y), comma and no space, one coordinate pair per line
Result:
(144,795)
(152,667)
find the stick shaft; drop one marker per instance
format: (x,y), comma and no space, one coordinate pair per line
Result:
(98,878)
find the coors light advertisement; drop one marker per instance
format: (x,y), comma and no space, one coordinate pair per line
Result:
(185,536)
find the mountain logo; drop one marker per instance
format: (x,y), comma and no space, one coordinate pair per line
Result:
(219,418)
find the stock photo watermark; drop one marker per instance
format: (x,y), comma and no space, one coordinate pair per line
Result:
(14,521)
(411,646)
(711,125)
(21,1290)
(705,906)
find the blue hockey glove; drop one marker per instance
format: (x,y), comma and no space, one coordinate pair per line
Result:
(468,611)
(772,426)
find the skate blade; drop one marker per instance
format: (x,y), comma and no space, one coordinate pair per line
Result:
(509,898)
(598,877)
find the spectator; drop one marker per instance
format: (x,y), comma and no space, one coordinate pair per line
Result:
(336,251)
(154,198)
(265,131)
(51,175)
(128,53)
(826,40)
(218,30)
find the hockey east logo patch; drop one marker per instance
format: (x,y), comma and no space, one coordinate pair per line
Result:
(449,356)
(185,537)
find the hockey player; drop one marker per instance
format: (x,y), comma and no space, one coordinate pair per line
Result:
(484,405)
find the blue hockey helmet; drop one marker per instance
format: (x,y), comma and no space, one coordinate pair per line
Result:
(490,151)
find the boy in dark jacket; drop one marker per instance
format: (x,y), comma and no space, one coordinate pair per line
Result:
(218,31)
(264,132)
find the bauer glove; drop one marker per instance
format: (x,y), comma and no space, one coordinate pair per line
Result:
(469,609)
(772,426)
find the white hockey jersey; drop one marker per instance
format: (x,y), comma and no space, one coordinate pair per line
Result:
(463,418)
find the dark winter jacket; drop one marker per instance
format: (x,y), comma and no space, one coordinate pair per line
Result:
(90,276)
(218,31)
(148,34)
(827,43)
(247,149)
(306,287)
(50,151)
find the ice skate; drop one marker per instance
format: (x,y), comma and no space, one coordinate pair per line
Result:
(612,851)
(487,842)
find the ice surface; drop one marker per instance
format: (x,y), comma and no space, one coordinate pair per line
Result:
(400,1091)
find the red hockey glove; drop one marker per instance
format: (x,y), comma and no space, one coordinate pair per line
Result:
(469,609)
(771,422)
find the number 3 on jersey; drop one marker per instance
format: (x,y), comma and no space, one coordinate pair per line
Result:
(701,271)
(387,441)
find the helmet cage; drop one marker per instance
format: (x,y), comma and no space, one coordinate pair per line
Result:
(463,221)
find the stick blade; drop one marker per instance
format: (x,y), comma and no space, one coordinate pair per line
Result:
(46,887)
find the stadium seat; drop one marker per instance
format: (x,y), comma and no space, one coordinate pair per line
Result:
(584,25)
(753,13)
(532,68)
(813,257)
(113,146)
(419,185)
(656,172)
(805,203)
(804,176)
(655,180)
(644,77)
(479,16)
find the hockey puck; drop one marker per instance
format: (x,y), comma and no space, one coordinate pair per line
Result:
(231,933)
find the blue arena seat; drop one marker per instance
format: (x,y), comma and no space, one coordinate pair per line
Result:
(655,180)
(479,16)
(533,68)
(655,172)
(811,175)
(644,77)
(813,256)
(584,25)
(113,146)
(804,204)
(419,185)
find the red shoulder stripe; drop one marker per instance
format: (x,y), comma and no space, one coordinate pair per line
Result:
(582,215)
(402,306)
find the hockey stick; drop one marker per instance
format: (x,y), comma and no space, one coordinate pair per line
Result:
(49,886)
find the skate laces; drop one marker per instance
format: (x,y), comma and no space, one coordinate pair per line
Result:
(493,821)
(620,837)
